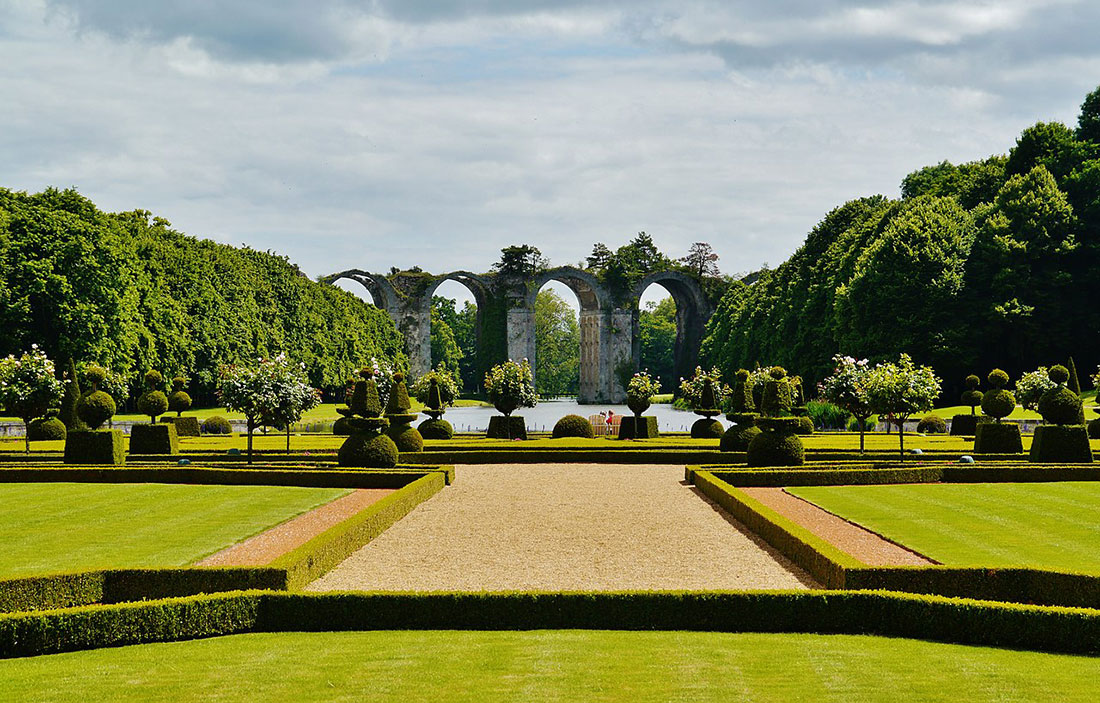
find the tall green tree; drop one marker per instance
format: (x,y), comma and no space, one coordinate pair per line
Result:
(657,330)
(557,346)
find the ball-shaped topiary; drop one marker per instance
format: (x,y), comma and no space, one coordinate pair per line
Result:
(972,396)
(152,403)
(95,375)
(216,424)
(776,449)
(436,428)
(1060,406)
(932,424)
(998,403)
(368,450)
(706,428)
(805,425)
(738,437)
(179,400)
(406,437)
(341,428)
(573,426)
(1059,374)
(45,429)
(95,408)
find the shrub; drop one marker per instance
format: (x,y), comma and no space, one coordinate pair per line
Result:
(998,403)
(506,427)
(95,408)
(185,426)
(406,437)
(964,425)
(436,428)
(363,449)
(154,439)
(573,426)
(972,396)
(1061,444)
(738,437)
(998,438)
(855,425)
(71,399)
(771,448)
(510,386)
(1031,387)
(639,392)
(706,428)
(45,429)
(447,388)
(704,391)
(932,424)
(826,415)
(341,427)
(179,400)
(1060,405)
(632,427)
(805,425)
(216,424)
(102,447)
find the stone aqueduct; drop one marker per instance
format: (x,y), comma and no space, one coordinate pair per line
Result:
(506,319)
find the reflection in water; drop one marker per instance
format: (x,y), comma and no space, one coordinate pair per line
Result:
(543,416)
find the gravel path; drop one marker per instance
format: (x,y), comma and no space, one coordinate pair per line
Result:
(565,527)
(867,546)
(271,544)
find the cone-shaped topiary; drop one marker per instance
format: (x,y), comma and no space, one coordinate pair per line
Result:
(179,400)
(401,431)
(998,403)
(367,446)
(399,396)
(435,398)
(70,400)
(1073,383)
(777,444)
(153,402)
(573,426)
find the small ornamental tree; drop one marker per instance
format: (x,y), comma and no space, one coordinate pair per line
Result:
(96,406)
(29,387)
(510,386)
(1031,387)
(640,391)
(272,391)
(848,389)
(294,395)
(447,389)
(153,402)
(901,389)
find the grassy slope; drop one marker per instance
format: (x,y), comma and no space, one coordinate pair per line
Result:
(1048,525)
(550,666)
(76,526)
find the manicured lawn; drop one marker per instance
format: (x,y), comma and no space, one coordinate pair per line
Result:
(566,665)
(50,527)
(1047,525)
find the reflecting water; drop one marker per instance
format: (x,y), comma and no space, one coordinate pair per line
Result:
(543,416)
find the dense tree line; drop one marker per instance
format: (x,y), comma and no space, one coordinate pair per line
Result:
(994,263)
(128,292)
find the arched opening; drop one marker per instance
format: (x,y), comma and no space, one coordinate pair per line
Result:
(455,324)
(557,341)
(692,311)
(658,325)
(356,288)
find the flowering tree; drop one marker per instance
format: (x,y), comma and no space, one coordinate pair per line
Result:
(641,388)
(511,385)
(1031,387)
(901,389)
(448,387)
(275,392)
(691,389)
(847,388)
(29,387)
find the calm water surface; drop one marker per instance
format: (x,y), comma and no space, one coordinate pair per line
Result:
(547,412)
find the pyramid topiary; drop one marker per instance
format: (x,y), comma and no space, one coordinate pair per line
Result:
(367,446)
(401,431)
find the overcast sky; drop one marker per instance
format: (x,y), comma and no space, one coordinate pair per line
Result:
(379,133)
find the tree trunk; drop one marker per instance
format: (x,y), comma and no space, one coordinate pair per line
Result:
(901,437)
(251,426)
(27,434)
(288,438)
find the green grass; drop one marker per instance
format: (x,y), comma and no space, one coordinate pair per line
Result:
(566,665)
(1044,525)
(78,526)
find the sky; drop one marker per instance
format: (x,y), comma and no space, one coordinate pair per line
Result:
(378,133)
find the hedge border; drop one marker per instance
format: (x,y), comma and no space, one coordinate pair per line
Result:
(934,618)
(834,568)
(307,477)
(291,571)
(890,473)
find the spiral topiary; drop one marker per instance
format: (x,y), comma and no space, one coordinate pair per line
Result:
(573,426)
(153,402)
(998,403)
(216,424)
(179,400)
(932,424)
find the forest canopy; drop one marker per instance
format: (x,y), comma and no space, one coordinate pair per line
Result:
(126,291)
(993,263)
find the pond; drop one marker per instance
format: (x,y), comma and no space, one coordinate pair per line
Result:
(543,416)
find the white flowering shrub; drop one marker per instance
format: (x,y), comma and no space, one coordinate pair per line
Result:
(897,390)
(511,385)
(274,392)
(29,386)
(1031,387)
(448,386)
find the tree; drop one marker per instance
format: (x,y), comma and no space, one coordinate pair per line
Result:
(657,333)
(521,260)
(600,257)
(557,346)
(1088,122)
(511,386)
(701,260)
(463,326)
(848,389)
(445,349)
(273,392)
(897,390)
(29,387)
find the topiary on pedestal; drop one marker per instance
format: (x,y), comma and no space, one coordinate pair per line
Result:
(95,446)
(436,389)
(777,444)
(741,405)
(509,386)
(153,438)
(705,391)
(367,446)
(179,401)
(401,431)
(639,393)
(968,424)
(998,437)
(1063,439)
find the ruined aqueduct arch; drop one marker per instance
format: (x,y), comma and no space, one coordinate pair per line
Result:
(506,319)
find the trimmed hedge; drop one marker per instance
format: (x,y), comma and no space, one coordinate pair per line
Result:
(869,474)
(154,439)
(1061,444)
(506,427)
(998,438)
(185,426)
(926,617)
(635,427)
(398,477)
(95,447)
(573,426)
(317,556)
(965,425)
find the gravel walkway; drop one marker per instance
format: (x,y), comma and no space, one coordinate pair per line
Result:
(867,546)
(269,545)
(565,527)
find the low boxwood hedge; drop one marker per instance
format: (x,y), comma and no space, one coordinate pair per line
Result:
(935,618)
(306,477)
